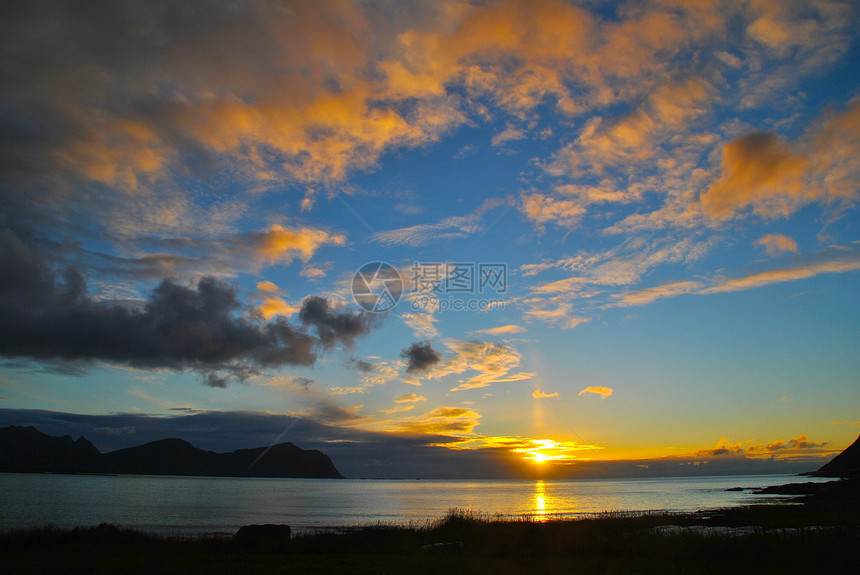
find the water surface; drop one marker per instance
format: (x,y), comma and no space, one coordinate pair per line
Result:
(195,505)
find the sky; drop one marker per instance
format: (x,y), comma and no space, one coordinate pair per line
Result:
(436,238)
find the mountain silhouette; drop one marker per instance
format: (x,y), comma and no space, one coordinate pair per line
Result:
(846,464)
(26,449)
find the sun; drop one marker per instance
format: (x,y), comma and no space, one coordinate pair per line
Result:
(541,458)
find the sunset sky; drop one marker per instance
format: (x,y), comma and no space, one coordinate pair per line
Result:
(645,214)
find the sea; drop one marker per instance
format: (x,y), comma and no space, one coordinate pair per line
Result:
(193,506)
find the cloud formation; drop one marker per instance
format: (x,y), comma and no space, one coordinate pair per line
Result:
(410,398)
(420,356)
(46,316)
(509,329)
(761,172)
(441,421)
(600,390)
(493,363)
(775,244)
(785,274)
(798,446)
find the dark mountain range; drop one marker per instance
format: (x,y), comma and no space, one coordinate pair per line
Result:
(26,449)
(846,464)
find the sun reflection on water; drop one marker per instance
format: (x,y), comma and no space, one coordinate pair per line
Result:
(546,502)
(540,499)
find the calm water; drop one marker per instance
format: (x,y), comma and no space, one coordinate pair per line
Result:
(186,505)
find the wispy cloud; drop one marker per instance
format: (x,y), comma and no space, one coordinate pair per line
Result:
(786,274)
(493,362)
(649,295)
(422,324)
(600,390)
(410,398)
(449,228)
(510,329)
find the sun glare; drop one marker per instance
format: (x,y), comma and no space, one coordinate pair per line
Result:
(541,458)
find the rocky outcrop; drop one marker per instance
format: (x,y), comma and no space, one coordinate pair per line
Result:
(846,464)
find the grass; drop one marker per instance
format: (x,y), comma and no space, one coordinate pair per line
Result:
(465,543)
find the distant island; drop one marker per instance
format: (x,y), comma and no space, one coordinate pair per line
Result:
(26,449)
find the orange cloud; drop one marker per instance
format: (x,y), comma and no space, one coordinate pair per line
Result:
(543,209)
(267,286)
(723,447)
(282,245)
(646,296)
(778,25)
(410,398)
(800,443)
(574,322)
(600,390)
(313,91)
(759,171)
(441,421)
(398,409)
(273,305)
(798,446)
(509,329)
(775,244)
(493,363)
(538,394)
(762,173)
(787,274)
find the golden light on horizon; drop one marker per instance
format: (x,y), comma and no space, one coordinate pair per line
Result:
(541,451)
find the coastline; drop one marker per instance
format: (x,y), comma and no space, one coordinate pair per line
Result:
(820,534)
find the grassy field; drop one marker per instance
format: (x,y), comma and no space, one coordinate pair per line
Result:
(463,543)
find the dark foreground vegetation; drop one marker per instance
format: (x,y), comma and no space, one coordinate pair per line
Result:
(821,535)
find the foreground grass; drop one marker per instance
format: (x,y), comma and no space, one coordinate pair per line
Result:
(465,543)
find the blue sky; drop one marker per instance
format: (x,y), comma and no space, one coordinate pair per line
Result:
(188,191)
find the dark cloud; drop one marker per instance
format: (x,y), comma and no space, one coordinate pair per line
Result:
(215,380)
(334,326)
(362,365)
(420,356)
(49,317)
(303,382)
